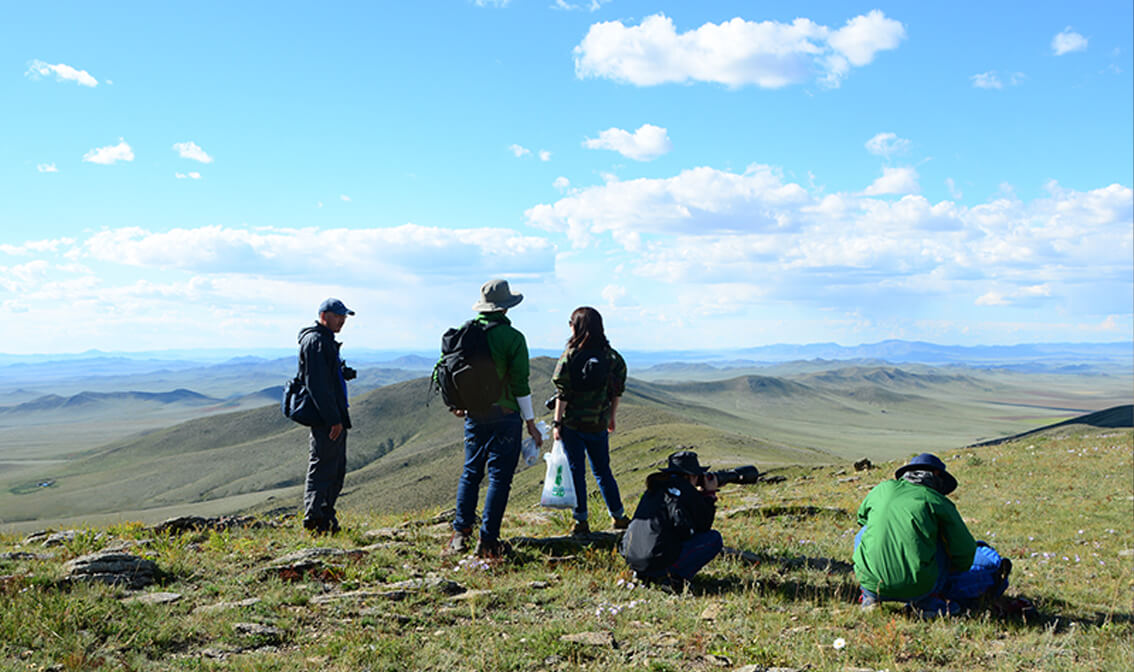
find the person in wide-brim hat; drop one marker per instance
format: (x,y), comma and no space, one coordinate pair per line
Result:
(930,462)
(496,295)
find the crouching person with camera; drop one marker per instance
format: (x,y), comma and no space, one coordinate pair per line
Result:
(671,536)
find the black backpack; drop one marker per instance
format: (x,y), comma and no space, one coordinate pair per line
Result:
(466,375)
(590,369)
(297,404)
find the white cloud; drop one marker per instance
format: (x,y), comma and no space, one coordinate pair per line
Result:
(62,72)
(491,3)
(192,175)
(544,155)
(954,193)
(561,183)
(344,198)
(356,253)
(887,144)
(519,150)
(987,80)
(47,168)
(645,144)
(190,150)
(736,53)
(592,6)
(1067,42)
(613,294)
(110,154)
(894,180)
(1020,294)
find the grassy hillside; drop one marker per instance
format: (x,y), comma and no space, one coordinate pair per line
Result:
(1058,504)
(405,455)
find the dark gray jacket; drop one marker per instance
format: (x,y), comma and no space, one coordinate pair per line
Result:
(670,512)
(320,367)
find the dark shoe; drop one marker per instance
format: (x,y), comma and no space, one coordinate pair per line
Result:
(620,523)
(334,528)
(582,528)
(1014,607)
(316,526)
(492,550)
(458,543)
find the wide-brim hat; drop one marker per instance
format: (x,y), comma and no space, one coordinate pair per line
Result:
(496,295)
(926,462)
(684,462)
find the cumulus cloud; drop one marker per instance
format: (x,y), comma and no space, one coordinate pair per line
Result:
(519,150)
(544,155)
(987,80)
(886,145)
(357,253)
(1014,296)
(47,168)
(192,175)
(1067,42)
(561,183)
(894,180)
(110,154)
(768,54)
(645,144)
(190,150)
(62,72)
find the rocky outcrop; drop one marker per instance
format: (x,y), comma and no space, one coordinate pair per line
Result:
(123,569)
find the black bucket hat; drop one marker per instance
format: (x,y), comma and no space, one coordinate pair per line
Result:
(929,462)
(685,462)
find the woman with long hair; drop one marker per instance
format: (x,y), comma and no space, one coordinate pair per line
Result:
(589,379)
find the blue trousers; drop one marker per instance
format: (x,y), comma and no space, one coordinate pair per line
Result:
(492,447)
(955,591)
(696,552)
(594,446)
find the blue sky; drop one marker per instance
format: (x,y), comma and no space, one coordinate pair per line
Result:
(708,175)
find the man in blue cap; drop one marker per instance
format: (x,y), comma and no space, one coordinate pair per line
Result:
(324,374)
(914,547)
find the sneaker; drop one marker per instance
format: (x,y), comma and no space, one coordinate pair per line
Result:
(867,602)
(582,528)
(492,550)
(458,543)
(620,523)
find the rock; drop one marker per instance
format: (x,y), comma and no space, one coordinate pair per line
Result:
(848,479)
(385,533)
(113,568)
(224,606)
(127,544)
(24,555)
(841,472)
(777,478)
(539,585)
(1126,553)
(310,562)
(355,595)
(429,583)
(38,535)
(471,595)
(59,538)
(719,661)
(153,598)
(863,465)
(711,612)
(591,639)
(265,632)
(182,524)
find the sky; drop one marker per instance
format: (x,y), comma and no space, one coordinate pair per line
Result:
(707,175)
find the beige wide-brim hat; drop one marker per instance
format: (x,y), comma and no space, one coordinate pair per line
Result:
(496,295)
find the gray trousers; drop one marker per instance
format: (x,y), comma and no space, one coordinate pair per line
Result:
(326,469)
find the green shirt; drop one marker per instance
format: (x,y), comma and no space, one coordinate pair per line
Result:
(896,556)
(510,355)
(589,411)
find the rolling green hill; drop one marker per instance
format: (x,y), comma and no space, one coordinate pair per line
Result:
(405,454)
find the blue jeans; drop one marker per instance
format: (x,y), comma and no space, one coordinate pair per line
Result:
(696,552)
(954,590)
(596,447)
(492,445)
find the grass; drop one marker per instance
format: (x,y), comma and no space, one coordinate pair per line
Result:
(1058,504)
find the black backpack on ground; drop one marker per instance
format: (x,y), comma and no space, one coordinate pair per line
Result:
(590,369)
(466,375)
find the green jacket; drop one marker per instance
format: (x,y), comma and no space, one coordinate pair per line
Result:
(589,411)
(896,556)
(510,354)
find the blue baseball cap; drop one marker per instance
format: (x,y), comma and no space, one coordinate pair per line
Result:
(334,306)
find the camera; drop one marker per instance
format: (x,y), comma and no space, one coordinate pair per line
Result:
(550,403)
(745,475)
(349,373)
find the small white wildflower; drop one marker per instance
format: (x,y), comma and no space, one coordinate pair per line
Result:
(839,643)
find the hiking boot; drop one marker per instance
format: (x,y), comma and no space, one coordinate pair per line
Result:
(582,528)
(620,523)
(492,550)
(458,543)
(316,526)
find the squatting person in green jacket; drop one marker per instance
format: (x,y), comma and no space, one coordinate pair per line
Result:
(914,547)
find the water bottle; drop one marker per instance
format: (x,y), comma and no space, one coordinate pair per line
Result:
(528,450)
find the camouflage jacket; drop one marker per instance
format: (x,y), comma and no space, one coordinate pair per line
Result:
(589,410)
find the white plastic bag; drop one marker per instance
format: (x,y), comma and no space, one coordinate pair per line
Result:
(529,453)
(558,486)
